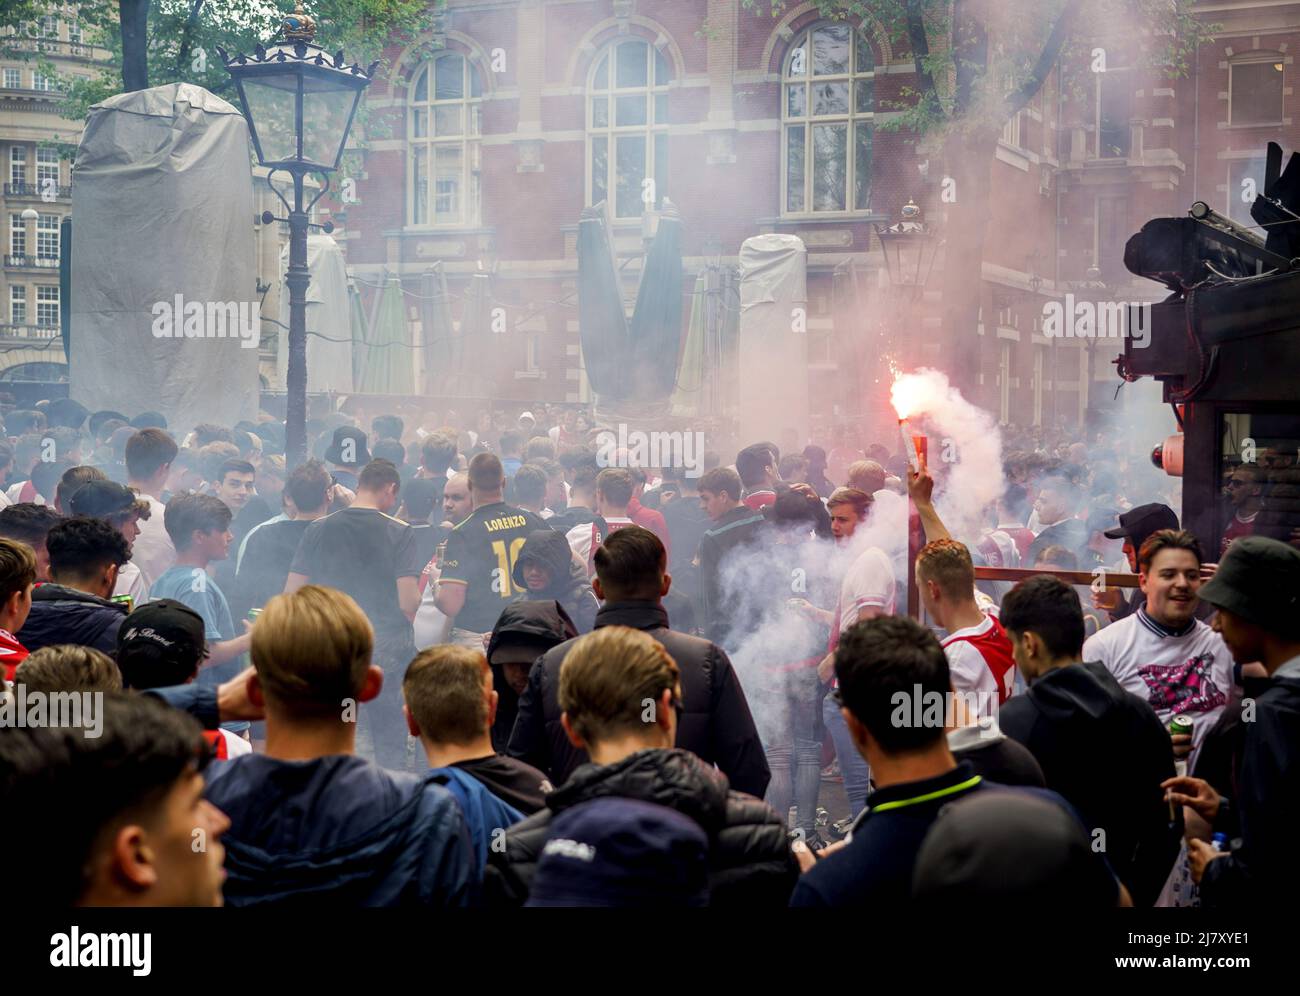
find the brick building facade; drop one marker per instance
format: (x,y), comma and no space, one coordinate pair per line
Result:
(508,118)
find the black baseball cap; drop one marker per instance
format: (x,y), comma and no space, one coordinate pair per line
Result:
(98,499)
(149,420)
(1140,522)
(622,852)
(161,643)
(1258,579)
(1001,847)
(66,412)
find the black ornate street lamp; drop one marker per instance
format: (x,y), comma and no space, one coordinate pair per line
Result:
(299,103)
(910,247)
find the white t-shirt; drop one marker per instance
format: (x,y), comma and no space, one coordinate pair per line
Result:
(430,624)
(868,583)
(152,550)
(1188,675)
(131,582)
(968,669)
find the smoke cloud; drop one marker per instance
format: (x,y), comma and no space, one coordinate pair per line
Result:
(967,463)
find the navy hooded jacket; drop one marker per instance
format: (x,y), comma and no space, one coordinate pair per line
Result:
(65,615)
(340,831)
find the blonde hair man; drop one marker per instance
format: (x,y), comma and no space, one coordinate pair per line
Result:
(292,808)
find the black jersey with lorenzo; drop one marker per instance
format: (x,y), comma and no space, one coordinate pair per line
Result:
(481,554)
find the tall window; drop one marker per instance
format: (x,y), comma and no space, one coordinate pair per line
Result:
(1011,131)
(47,236)
(828,105)
(1113,229)
(17,164)
(627,128)
(1255,91)
(443,124)
(17,305)
(47,165)
(17,235)
(49,27)
(74,33)
(40,82)
(47,305)
(13,79)
(1114,113)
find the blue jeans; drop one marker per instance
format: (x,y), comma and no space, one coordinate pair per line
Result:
(383,717)
(857,775)
(787,711)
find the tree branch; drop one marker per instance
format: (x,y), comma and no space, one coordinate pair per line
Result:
(920,46)
(970,50)
(187,38)
(1020,98)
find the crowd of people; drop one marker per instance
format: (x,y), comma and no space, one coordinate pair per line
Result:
(506,665)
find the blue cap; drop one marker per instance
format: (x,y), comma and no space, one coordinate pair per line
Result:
(622,852)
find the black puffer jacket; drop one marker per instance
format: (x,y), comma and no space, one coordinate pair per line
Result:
(543,623)
(750,864)
(715,723)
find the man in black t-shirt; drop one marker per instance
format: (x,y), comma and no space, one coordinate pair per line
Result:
(365,552)
(477,568)
(264,563)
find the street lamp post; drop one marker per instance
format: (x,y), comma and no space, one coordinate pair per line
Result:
(299,102)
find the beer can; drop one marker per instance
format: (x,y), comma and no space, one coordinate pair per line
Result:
(1181,726)
(253,614)
(126,600)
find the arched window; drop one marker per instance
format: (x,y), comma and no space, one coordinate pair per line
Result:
(828,103)
(627,128)
(442,128)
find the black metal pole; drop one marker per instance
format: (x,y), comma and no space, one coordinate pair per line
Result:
(298,277)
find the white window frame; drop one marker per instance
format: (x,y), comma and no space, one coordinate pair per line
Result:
(17,235)
(75,34)
(44,84)
(1096,113)
(47,165)
(654,131)
(807,121)
(49,27)
(17,164)
(1255,59)
(17,304)
(48,295)
(468,141)
(1004,380)
(47,236)
(1012,130)
(13,78)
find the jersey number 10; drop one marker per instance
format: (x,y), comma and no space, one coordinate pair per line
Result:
(506,564)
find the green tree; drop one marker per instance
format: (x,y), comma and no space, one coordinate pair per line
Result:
(153,42)
(980,62)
